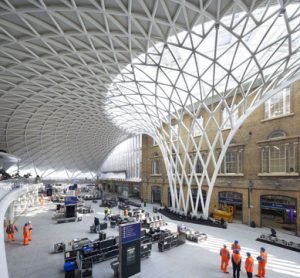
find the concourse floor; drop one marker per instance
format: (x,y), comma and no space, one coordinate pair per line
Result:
(189,260)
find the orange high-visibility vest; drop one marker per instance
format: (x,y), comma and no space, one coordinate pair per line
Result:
(224,253)
(249,264)
(235,247)
(264,257)
(25,231)
(236,258)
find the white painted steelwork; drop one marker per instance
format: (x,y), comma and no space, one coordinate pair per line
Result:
(69,69)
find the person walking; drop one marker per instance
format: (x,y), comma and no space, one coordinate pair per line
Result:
(97,224)
(249,265)
(235,246)
(225,257)
(26,234)
(236,260)
(262,262)
(105,213)
(10,230)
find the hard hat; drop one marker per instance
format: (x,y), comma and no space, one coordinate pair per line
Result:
(262,249)
(26,224)
(29,222)
(248,254)
(236,241)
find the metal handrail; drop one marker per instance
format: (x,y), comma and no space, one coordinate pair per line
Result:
(9,185)
(13,189)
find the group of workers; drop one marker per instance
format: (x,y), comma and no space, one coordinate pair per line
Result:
(12,228)
(236,260)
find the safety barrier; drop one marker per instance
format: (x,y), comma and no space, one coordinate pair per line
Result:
(10,191)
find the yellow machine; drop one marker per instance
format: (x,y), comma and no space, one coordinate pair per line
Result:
(225,212)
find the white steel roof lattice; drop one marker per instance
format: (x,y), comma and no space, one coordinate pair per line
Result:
(219,58)
(232,61)
(59,58)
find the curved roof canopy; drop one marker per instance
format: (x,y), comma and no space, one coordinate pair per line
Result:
(69,69)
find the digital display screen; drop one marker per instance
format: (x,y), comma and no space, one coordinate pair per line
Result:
(130,256)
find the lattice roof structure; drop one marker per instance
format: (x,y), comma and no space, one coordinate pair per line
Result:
(74,74)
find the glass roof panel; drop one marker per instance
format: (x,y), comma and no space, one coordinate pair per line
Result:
(220,56)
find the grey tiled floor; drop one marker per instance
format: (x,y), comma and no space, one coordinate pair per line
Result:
(188,261)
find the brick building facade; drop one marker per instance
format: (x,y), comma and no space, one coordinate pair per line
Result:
(260,173)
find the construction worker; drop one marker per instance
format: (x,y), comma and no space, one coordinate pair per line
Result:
(236,260)
(26,234)
(235,246)
(225,257)
(262,262)
(29,230)
(10,230)
(105,213)
(108,213)
(249,265)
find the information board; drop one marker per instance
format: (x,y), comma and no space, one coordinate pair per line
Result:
(130,232)
(272,205)
(233,201)
(71,200)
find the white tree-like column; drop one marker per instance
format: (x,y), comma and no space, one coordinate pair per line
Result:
(233,63)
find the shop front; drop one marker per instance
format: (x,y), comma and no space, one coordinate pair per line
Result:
(279,212)
(232,202)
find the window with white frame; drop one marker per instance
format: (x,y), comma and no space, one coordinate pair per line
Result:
(279,158)
(198,126)
(232,162)
(197,164)
(155,164)
(226,116)
(174,132)
(174,165)
(278,105)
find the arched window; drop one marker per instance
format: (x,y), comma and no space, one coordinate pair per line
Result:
(277,134)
